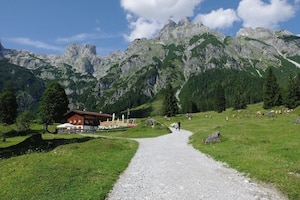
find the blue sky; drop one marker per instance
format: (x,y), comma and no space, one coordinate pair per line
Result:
(48,26)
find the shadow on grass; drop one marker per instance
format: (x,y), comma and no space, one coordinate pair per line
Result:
(35,143)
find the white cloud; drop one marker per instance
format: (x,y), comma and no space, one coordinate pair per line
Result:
(142,28)
(75,38)
(145,17)
(257,13)
(218,19)
(34,43)
(85,37)
(160,9)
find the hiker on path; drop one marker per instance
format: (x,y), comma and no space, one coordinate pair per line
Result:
(178,126)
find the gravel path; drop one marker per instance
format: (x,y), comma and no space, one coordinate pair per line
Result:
(168,168)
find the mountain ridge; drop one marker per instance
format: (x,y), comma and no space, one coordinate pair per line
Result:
(178,52)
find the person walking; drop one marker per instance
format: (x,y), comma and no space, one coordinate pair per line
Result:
(178,126)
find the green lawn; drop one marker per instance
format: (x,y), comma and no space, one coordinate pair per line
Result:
(267,149)
(76,171)
(84,170)
(261,147)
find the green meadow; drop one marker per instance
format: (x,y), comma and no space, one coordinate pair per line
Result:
(264,148)
(74,171)
(85,170)
(261,147)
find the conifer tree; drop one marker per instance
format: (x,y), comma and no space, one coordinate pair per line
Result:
(220,101)
(170,102)
(291,95)
(271,91)
(239,100)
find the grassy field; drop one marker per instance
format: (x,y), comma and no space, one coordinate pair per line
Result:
(264,148)
(75,171)
(85,170)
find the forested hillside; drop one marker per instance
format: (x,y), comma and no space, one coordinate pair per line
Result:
(80,88)
(27,87)
(198,94)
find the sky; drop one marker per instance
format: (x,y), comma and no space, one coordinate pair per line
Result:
(49,26)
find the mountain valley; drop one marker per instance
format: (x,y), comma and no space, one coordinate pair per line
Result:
(192,57)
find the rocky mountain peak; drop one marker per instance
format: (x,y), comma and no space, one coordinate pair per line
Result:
(80,50)
(185,21)
(261,33)
(257,33)
(170,24)
(281,41)
(179,33)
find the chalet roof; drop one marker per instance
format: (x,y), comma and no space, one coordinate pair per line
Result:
(81,112)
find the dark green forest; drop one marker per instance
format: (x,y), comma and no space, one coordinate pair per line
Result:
(198,94)
(26,86)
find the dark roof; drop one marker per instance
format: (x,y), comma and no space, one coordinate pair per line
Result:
(81,112)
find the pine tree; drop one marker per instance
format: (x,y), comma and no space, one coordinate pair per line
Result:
(291,95)
(189,107)
(220,101)
(271,91)
(170,102)
(239,101)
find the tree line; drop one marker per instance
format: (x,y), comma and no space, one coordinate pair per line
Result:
(201,93)
(275,96)
(219,89)
(53,104)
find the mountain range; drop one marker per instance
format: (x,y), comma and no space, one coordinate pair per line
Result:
(192,57)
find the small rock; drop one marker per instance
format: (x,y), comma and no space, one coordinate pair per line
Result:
(297,120)
(213,138)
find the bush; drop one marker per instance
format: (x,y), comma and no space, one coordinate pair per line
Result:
(24,120)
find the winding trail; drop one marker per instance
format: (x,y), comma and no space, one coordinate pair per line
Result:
(168,168)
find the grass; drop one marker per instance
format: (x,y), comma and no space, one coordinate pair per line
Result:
(12,137)
(264,148)
(85,170)
(75,171)
(12,141)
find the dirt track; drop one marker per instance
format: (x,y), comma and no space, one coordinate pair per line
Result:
(168,168)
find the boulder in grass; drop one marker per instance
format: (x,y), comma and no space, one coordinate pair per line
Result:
(213,138)
(297,120)
(150,122)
